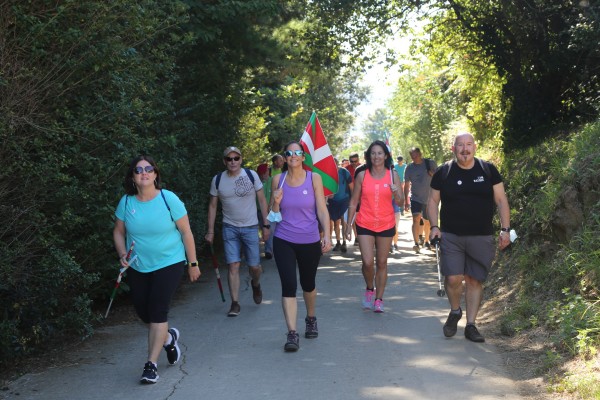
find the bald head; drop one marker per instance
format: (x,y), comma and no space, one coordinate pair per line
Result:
(464,149)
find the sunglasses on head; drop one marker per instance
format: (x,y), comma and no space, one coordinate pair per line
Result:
(236,158)
(289,153)
(147,168)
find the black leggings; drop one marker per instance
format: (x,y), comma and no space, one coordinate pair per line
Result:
(286,255)
(151,292)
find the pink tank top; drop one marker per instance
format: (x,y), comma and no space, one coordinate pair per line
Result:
(376,211)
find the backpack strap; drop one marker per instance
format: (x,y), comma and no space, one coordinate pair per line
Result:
(446,169)
(485,166)
(248,172)
(167,204)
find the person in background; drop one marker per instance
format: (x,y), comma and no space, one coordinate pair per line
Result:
(354,164)
(417,177)
(277,164)
(338,206)
(345,163)
(238,193)
(157,222)
(298,202)
(374,188)
(468,195)
(265,178)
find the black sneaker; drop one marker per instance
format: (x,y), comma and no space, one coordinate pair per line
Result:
(451,323)
(256,293)
(234,310)
(343,248)
(268,255)
(427,246)
(356,242)
(293,341)
(473,334)
(312,331)
(150,374)
(172,349)
(337,247)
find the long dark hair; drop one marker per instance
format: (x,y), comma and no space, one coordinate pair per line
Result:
(128,183)
(285,166)
(388,161)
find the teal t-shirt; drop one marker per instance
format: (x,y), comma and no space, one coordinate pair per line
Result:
(158,243)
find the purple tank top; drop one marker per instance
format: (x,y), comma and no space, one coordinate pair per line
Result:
(298,213)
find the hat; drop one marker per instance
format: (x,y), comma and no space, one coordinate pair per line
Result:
(262,169)
(231,149)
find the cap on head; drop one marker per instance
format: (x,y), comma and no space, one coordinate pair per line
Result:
(231,149)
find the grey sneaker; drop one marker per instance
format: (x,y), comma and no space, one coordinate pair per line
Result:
(451,323)
(473,334)
(234,310)
(293,341)
(312,331)
(150,374)
(416,248)
(172,349)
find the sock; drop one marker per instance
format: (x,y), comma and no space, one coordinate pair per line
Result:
(457,311)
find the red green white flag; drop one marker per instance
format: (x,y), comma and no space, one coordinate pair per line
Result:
(318,157)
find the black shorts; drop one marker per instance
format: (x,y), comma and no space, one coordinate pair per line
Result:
(364,231)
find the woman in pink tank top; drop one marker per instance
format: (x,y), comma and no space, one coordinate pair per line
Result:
(374,188)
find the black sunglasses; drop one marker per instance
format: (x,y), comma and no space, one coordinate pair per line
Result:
(236,158)
(289,153)
(147,168)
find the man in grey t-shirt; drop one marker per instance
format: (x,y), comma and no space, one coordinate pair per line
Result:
(238,193)
(417,178)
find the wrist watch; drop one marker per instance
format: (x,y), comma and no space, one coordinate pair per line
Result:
(507,229)
(193,264)
(268,226)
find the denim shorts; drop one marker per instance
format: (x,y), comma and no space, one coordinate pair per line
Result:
(236,238)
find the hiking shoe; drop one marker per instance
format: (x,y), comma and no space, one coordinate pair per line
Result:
(172,349)
(293,341)
(378,307)
(150,374)
(416,248)
(343,247)
(337,246)
(451,322)
(368,298)
(268,255)
(234,310)
(312,331)
(256,294)
(473,334)
(427,246)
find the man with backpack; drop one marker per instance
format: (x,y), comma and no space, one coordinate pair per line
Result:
(238,188)
(417,178)
(469,190)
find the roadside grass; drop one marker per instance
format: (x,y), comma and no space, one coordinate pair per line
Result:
(559,274)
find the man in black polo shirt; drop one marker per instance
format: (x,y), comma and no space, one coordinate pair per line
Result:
(470,190)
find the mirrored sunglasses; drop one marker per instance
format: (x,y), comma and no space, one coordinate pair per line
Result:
(289,153)
(147,168)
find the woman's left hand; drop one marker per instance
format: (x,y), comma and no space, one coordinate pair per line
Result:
(325,245)
(194,273)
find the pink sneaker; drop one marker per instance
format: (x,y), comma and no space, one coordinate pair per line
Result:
(378,308)
(367,302)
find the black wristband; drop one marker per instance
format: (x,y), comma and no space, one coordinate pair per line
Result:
(507,229)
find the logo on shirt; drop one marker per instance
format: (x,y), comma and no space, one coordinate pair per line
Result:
(459,183)
(243,186)
(479,179)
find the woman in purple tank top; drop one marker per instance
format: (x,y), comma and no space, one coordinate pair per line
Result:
(298,195)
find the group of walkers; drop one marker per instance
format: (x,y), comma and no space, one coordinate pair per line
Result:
(287,203)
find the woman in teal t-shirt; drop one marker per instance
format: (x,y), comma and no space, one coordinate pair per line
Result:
(157,222)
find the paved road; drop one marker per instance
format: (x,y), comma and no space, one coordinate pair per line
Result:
(400,354)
